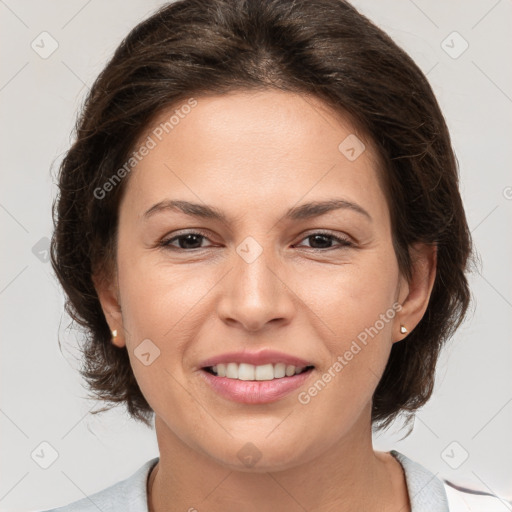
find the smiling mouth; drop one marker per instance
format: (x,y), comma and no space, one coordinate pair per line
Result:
(250,372)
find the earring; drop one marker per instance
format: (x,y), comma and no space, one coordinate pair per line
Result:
(403,330)
(114,334)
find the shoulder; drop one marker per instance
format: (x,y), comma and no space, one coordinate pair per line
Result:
(461,499)
(428,493)
(129,495)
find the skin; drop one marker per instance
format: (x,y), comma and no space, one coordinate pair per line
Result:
(253,155)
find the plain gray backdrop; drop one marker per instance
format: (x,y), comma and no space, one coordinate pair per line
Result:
(51,52)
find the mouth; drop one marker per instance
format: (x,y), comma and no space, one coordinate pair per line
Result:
(255,384)
(250,372)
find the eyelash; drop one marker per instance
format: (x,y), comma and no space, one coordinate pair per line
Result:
(344,242)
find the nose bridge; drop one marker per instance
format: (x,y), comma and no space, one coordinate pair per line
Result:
(252,267)
(254,293)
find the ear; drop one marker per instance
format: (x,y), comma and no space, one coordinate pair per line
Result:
(108,294)
(414,295)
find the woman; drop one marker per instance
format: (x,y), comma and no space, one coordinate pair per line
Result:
(259,225)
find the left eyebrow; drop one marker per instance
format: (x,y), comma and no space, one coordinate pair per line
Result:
(301,212)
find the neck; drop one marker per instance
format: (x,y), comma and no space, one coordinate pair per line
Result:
(349,476)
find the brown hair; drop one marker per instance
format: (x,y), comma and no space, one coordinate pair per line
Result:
(323,48)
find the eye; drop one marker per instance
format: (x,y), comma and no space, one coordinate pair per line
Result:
(186,241)
(320,238)
(193,240)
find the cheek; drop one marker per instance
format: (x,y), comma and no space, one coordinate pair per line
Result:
(160,319)
(358,305)
(157,297)
(165,305)
(351,297)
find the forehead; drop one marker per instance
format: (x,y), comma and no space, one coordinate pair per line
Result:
(265,147)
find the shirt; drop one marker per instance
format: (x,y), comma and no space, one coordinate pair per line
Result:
(427,493)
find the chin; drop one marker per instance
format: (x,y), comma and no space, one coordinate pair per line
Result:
(262,455)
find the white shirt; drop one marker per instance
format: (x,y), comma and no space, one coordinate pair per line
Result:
(427,493)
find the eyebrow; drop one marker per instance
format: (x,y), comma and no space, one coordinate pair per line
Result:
(301,212)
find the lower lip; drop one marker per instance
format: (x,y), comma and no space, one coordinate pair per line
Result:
(255,391)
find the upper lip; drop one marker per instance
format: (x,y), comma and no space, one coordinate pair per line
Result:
(261,357)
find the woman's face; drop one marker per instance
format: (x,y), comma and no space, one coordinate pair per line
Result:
(271,276)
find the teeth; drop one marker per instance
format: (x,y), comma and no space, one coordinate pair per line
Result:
(232,371)
(279,370)
(264,372)
(244,371)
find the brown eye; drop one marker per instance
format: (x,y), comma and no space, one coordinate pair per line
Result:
(190,241)
(321,241)
(186,241)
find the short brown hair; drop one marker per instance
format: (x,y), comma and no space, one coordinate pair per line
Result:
(323,48)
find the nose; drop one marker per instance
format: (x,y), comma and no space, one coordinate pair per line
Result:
(255,294)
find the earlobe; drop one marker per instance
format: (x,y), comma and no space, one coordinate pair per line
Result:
(116,339)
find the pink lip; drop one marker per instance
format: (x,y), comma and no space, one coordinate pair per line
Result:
(264,356)
(255,391)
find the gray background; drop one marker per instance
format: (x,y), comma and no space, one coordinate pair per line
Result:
(42,400)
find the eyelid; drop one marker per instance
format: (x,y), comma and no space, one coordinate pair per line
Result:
(343,241)
(166,240)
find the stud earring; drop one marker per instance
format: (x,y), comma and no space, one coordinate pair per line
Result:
(403,330)
(114,334)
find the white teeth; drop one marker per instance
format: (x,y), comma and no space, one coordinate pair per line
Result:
(232,371)
(290,370)
(279,370)
(264,372)
(244,371)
